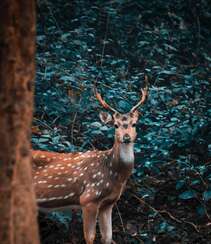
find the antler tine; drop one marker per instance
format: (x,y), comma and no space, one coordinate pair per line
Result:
(103,102)
(144,93)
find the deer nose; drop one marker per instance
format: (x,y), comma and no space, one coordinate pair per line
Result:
(126,138)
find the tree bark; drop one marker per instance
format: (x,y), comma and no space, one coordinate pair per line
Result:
(18,223)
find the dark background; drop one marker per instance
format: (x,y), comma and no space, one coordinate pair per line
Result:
(119,43)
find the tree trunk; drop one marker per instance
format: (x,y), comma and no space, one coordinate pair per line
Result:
(18,224)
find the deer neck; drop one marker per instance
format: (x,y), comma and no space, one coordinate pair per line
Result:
(123,154)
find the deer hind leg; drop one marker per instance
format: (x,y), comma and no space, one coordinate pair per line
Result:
(105,221)
(90,212)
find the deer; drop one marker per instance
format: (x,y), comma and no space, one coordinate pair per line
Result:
(91,180)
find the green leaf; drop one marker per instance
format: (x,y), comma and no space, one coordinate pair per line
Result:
(207,195)
(200,210)
(188,195)
(180,184)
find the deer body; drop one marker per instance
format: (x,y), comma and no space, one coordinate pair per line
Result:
(92,180)
(65,179)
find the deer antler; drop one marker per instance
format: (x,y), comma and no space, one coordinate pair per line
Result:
(144,93)
(103,102)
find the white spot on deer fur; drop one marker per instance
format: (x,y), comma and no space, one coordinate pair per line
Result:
(35,177)
(42,182)
(42,199)
(84,182)
(62,167)
(40,167)
(59,173)
(101,181)
(48,159)
(107,184)
(56,178)
(50,176)
(58,198)
(94,176)
(93,184)
(71,194)
(58,186)
(85,168)
(70,179)
(51,166)
(43,156)
(92,164)
(52,198)
(110,172)
(49,186)
(81,174)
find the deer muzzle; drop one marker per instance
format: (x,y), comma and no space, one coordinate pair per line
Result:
(126,138)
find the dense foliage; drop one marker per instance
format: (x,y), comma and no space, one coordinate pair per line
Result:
(118,44)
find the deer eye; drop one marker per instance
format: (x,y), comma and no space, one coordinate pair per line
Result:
(134,125)
(116,126)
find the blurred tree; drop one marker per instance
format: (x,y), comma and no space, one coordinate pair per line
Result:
(17,47)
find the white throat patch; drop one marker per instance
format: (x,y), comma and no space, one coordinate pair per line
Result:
(126,153)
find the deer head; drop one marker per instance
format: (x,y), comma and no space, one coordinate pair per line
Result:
(125,124)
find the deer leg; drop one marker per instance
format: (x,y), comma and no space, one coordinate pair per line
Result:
(90,212)
(105,221)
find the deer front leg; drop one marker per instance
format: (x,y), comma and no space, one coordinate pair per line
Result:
(105,221)
(89,212)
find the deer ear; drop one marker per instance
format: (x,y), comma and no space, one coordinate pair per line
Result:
(106,118)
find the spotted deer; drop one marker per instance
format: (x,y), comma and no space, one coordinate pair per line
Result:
(92,180)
